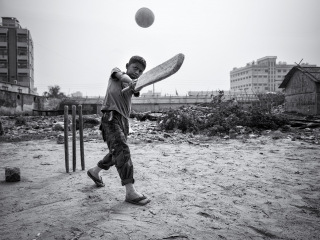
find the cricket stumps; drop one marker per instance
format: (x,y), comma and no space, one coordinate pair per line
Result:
(74,137)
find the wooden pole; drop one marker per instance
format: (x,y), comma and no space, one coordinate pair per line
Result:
(66,146)
(81,137)
(74,154)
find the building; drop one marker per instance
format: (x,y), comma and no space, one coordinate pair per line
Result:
(16,58)
(302,90)
(264,75)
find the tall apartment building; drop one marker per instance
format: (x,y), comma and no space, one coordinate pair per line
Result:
(264,75)
(16,57)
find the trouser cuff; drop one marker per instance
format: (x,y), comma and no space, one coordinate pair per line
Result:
(126,181)
(103,166)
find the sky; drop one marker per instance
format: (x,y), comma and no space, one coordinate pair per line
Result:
(78,42)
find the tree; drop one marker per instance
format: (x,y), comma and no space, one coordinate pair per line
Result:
(77,94)
(54,92)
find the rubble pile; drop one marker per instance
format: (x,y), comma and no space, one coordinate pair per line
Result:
(228,120)
(196,124)
(18,128)
(217,119)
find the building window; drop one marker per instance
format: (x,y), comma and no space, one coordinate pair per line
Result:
(22,51)
(3,64)
(23,77)
(22,38)
(22,64)
(3,51)
(3,37)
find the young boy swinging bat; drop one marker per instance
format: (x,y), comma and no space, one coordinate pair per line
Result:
(114,122)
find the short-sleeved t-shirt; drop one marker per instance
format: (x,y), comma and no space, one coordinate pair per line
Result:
(116,100)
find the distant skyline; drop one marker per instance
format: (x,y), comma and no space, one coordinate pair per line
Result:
(78,42)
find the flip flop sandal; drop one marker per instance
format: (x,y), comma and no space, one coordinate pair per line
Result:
(137,201)
(97,181)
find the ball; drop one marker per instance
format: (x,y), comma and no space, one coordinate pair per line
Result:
(144,17)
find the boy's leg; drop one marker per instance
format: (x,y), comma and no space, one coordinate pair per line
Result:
(115,134)
(105,164)
(132,195)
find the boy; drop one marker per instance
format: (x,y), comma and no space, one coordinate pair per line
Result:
(115,128)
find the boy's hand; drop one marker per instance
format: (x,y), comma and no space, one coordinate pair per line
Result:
(133,83)
(130,86)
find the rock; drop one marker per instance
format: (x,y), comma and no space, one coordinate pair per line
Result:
(285,128)
(12,174)
(60,139)
(58,127)
(232,133)
(161,139)
(166,135)
(277,135)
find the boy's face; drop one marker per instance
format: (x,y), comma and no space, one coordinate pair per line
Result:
(135,70)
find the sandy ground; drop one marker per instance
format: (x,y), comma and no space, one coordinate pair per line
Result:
(257,188)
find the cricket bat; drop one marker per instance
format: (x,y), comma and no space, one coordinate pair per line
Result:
(158,73)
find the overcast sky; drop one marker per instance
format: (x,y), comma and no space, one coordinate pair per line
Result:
(78,42)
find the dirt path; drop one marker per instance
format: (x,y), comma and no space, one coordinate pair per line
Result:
(219,189)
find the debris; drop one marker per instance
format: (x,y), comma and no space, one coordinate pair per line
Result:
(152,212)
(175,236)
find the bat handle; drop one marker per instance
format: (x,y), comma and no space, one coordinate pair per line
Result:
(126,89)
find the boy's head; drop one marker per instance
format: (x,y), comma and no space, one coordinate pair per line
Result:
(136,66)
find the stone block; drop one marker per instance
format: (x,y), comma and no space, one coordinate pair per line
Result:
(12,174)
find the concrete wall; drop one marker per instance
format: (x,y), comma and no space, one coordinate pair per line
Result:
(12,103)
(302,95)
(13,87)
(158,104)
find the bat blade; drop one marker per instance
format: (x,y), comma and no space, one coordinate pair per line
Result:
(159,72)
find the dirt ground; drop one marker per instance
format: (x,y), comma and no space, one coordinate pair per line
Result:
(208,188)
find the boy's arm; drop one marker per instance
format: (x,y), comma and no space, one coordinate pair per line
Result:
(122,77)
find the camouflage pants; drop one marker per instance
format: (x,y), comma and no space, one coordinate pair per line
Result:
(115,133)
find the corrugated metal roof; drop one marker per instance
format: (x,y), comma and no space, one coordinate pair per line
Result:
(312,72)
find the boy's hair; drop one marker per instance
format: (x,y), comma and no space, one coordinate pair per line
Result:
(138,59)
